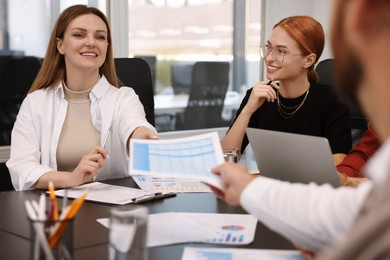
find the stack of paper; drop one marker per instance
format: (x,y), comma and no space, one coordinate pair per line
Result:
(105,193)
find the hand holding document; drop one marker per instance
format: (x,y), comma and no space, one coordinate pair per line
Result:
(190,157)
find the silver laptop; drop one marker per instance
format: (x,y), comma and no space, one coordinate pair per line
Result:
(293,157)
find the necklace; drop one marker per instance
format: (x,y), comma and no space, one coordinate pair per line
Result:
(286,111)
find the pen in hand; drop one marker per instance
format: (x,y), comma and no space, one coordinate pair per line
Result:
(104,146)
(106,138)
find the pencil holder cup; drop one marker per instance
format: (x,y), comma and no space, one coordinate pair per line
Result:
(128,231)
(51,240)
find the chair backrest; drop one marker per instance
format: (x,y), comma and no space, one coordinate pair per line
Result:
(135,73)
(325,72)
(5,178)
(210,81)
(326,76)
(181,78)
(17,73)
(152,62)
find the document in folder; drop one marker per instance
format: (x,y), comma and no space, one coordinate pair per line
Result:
(189,157)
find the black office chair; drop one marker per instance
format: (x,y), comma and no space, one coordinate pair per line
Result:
(5,178)
(326,77)
(17,73)
(210,81)
(152,62)
(181,78)
(135,73)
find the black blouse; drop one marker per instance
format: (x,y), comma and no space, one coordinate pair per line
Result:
(322,114)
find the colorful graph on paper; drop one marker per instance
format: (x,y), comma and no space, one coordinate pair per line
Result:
(191,157)
(172,184)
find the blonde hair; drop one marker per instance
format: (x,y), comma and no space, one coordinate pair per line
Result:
(53,69)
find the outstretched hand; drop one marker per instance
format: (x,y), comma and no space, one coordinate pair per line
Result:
(235,177)
(144,133)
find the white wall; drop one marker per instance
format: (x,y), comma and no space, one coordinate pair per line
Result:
(276,10)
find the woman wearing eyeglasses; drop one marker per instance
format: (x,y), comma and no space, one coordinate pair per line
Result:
(297,104)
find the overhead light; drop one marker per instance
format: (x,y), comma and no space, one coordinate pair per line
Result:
(176,3)
(158,3)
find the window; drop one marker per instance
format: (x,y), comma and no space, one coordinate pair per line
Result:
(179,31)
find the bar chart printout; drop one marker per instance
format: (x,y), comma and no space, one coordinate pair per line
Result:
(190,157)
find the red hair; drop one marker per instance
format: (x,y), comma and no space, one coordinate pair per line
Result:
(309,35)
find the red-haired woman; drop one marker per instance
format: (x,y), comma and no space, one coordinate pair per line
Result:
(297,104)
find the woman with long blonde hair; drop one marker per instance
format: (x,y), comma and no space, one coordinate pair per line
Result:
(75,117)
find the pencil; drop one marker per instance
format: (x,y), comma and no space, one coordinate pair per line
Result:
(68,216)
(54,201)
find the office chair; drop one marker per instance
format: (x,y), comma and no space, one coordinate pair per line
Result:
(210,81)
(135,73)
(17,73)
(151,61)
(181,78)
(5,178)
(326,77)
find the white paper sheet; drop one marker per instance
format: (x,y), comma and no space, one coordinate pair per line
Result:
(190,157)
(181,227)
(105,193)
(170,184)
(201,253)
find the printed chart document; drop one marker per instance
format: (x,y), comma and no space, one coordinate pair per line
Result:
(190,157)
(170,184)
(105,193)
(199,253)
(182,227)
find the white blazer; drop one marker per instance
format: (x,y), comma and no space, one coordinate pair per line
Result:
(39,123)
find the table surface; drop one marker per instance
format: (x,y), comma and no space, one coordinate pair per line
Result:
(91,238)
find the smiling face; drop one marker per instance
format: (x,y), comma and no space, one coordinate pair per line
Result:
(292,65)
(84,44)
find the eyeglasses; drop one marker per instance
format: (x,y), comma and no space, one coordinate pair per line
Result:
(277,53)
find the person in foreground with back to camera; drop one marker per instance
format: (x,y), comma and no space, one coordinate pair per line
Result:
(361,40)
(298,104)
(75,107)
(315,217)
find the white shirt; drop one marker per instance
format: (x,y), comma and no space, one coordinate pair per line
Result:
(39,123)
(310,215)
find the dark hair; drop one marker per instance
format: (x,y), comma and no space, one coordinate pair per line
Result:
(309,35)
(53,69)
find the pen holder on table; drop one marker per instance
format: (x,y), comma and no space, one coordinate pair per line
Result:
(128,230)
(51,239)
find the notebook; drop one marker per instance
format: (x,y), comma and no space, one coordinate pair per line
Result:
(293,157)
